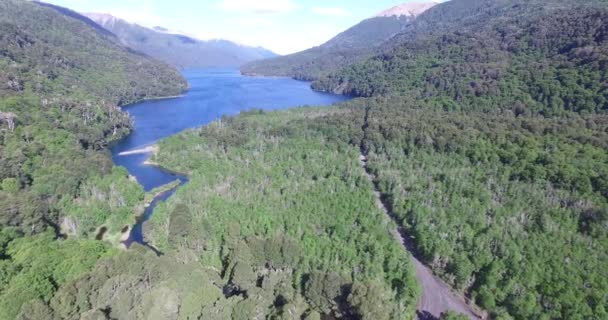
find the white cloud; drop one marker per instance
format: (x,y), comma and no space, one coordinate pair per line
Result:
(331,11)
(258,6)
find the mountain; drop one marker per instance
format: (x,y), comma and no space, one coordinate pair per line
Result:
(177,49)
(410,9)
(62,80)
(346,48)
(486,54)
(484,126)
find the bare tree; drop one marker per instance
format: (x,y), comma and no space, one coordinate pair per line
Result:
(9,117)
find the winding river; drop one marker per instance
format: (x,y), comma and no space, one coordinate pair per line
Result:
(213,93)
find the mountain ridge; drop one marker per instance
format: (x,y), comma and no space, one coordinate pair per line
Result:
(352,45)
(177,48)
(409,9)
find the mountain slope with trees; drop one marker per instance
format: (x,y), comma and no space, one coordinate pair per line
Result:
(536,58)
(346,48)
(485,129)
(61,82)
(483,126)
(277,221)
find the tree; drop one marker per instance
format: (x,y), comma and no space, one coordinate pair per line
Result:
(367,300)
(450,315)
(10,185)
(323,291)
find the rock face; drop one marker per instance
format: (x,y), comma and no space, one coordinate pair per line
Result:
(103,19)
(410,9)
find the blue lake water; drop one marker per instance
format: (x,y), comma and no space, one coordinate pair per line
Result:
(213,93)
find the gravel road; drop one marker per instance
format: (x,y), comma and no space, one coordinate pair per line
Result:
(437,297)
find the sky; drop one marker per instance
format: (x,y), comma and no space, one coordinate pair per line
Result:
(283,26)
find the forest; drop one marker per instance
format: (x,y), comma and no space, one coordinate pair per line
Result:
(512,210)
(488,146)
(496,65)
(277,220)
(61,85)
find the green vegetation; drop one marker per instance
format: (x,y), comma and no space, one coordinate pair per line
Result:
(152,194)
(277,221)
(107,201)
(61,83)
(284,192)
(488,145)
(513,210)
(453,316)
(32,268)
(348,47)
(497,65)
(506,205)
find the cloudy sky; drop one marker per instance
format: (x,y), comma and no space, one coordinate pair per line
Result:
(284,26)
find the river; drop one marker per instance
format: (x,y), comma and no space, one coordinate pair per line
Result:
(213,93)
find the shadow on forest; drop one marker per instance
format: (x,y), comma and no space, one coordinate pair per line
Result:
(424,315)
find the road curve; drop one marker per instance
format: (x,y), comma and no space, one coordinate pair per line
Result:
(437,297)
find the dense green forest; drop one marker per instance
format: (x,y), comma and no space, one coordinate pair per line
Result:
(504,203)
(277,221)
(488,145)
(512,209)
(549,62)
(61,82)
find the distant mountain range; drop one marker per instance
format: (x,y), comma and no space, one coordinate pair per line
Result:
(346,48)
(178,49)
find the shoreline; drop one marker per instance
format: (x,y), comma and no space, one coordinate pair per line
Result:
(153,99)
(151,163)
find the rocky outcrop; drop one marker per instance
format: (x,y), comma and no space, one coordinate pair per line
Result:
(410,9)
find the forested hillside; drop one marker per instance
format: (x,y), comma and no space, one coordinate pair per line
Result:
(61,82)
(546,59)
(482,126)
(278,221)
(486,136)
(348,47)
(513,210)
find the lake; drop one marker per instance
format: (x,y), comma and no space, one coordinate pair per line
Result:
(213,93)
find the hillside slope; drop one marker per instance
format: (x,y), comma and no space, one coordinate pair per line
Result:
(485,133)
(533,57)
(180,50)
(61,82)
(346,48)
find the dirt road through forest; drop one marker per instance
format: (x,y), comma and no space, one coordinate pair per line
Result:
(437,297)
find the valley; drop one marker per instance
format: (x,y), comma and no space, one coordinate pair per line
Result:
(445,161)
(204,102)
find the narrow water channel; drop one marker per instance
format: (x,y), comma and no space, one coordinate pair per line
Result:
(213,93)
